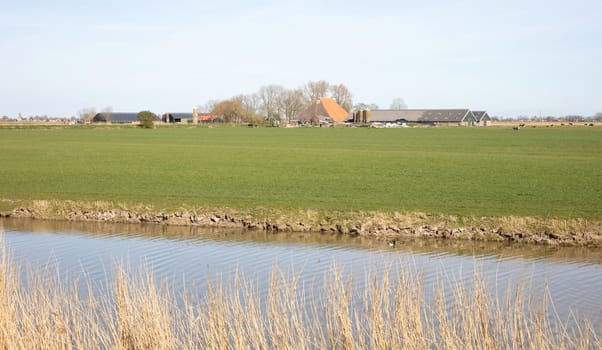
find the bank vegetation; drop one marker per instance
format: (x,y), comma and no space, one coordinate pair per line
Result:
(372,224)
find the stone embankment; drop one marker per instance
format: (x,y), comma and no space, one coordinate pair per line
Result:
(377,228)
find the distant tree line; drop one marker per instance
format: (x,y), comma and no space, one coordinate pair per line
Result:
(39,119)
(241,109)
(271,103)
(567,118)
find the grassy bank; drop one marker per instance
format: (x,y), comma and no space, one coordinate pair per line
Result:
(456,171)
(373,224)
(47,311)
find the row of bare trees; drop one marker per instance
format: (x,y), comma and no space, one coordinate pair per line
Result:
(275,102)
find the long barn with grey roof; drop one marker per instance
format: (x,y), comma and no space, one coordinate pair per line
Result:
(424,116)
(116,118)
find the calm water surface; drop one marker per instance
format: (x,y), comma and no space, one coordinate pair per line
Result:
(192,257)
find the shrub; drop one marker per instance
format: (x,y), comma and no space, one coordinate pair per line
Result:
(147,119)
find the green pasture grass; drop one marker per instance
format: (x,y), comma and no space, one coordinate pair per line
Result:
(461,171)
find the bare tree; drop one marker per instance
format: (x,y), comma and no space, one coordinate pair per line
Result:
(252,103)
(270,96)
(229,111)
(293,103)
(86,114)
(315,90)
(398,103)
(341,94)
(364,106)
(208,106)
(107,112)
(238,109)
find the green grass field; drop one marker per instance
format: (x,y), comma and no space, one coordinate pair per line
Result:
(463,171)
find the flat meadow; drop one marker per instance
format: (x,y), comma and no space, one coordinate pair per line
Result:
(542,172)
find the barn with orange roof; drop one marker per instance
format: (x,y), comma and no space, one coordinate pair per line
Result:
(323,110)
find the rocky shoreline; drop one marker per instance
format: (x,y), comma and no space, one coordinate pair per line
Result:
(375,227)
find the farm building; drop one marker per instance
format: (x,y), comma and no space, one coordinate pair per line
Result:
(176,117)
(205,117)
(116,118)
(323,110)
(424,116)
(186,117)
(481,118)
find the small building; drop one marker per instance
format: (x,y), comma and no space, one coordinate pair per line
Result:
(205,117)
(176,117)
(187,117)
(481,118)
(444,117)
(324,110)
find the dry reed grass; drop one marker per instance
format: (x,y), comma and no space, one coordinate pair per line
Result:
(44,310)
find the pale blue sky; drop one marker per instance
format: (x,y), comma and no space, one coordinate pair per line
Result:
(510,58)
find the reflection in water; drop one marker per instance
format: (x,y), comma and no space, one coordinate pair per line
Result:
(192,256)
(500,250)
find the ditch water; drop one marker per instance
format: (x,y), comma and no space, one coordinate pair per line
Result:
(188,257)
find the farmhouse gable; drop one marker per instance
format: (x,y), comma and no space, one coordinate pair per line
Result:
(322,109)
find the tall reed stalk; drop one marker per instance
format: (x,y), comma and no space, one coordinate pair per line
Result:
(43,310)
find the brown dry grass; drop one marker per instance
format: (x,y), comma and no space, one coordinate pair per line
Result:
(42,311)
